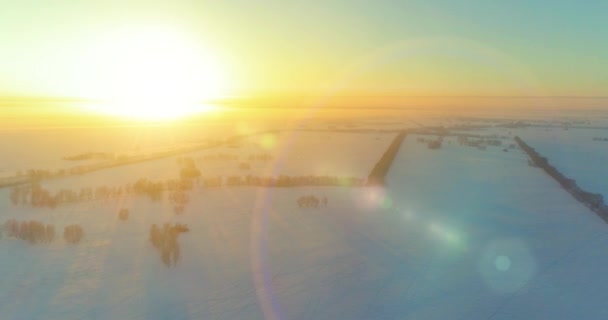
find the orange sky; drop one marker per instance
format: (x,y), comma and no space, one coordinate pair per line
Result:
(420,54)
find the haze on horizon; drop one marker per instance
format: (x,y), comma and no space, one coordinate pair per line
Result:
(319,159)
(342,53)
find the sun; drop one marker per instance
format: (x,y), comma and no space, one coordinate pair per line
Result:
(154,74)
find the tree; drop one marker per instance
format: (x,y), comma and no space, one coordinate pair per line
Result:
(73,233)
(123,214)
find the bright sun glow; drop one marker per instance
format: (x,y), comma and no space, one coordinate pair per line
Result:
(154,73)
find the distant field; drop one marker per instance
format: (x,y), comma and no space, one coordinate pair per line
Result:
(464,230)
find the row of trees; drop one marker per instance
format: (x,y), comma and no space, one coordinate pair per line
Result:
(38,196)
(31,231)
(593,201)
(188,169)
(91,156)
(110,160)
(311,201)
(431,143)
(378,174)
(164,239)
(227,157)
(481,143)
(40,174)
(35,232)
(34,195)
(73,233)
(293,181)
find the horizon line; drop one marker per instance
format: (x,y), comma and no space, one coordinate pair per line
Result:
(287,96)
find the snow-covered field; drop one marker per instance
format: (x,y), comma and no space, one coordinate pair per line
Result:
(491,237)
(45,148)
(459,233)
(288,153)
(574,153)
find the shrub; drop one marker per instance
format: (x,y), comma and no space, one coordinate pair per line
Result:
(190,173)
(181,227)
(123,214)
(165,241)
(30,231)
(179,209)
(434,144)
(73,233)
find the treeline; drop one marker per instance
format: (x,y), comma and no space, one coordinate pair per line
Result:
(593,201)
(378,173)
(599,139)
(34,175)
(432,144)
(188,169)
(31,231)
(227,157)
(91,156)
(73,233)
(293,181)
(188,164)
(37,196)
(311,201)
(480,144)
(36,232)
(42,174)
(164,239)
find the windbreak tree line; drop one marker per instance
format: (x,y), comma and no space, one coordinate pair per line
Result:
(36,195)
(36,232)
(593,201)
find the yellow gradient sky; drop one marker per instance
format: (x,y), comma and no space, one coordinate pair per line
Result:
(159,51)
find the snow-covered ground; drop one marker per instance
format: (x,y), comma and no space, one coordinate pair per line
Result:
(491,238)
(289,153)
(574,153)
(297,152)
(45,148)
(301,153)
(459,233)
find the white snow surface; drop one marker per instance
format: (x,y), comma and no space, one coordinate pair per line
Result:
(458,233)
(574,153)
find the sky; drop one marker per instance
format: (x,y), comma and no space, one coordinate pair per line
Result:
(265,49)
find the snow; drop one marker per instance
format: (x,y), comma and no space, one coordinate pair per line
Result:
(458,233)
(291,153)
(574,153)
(45,148)
(499,239)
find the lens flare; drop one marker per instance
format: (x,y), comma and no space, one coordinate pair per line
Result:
(506,265)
